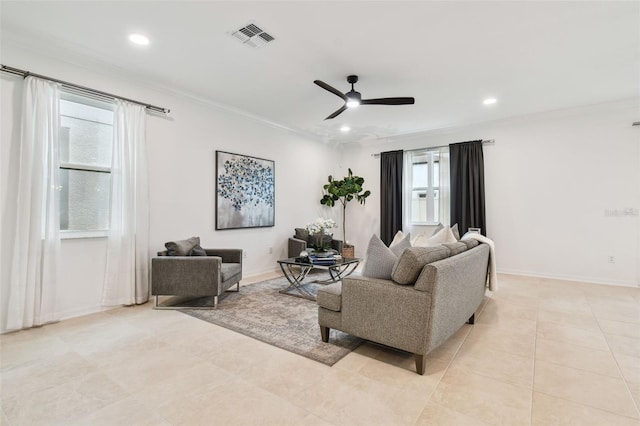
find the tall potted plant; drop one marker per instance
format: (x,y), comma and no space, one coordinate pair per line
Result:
(344,191)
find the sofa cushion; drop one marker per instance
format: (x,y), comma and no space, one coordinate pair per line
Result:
(397,247)
(379,260)
(181,247)
(330,297)
(456,248)
(410,263)
(470,243)
(301,234)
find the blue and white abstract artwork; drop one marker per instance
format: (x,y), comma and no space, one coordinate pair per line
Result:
(245,191)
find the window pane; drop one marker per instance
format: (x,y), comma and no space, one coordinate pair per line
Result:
(420,175)
(84,200)
(86,134)
(419,206)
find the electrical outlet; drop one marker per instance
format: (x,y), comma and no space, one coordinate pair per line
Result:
(270,250)
(244,254)
(612,259)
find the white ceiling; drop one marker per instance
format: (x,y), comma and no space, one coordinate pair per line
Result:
(532,56)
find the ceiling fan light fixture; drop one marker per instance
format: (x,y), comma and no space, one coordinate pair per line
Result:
(345,128)
(139,39)
(353,99)
(490,101)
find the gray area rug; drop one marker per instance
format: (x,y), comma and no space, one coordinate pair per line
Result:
(291,323)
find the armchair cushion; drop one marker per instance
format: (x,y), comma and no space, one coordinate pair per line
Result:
(228,270)
(182,247)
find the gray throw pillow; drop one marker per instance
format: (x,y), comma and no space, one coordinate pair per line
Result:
(199,251)
(379,260)
(456,232)
(399,247)
(408,267)
(182,247)
(456,248)
(301,234)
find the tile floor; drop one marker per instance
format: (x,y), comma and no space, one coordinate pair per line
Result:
(542,352)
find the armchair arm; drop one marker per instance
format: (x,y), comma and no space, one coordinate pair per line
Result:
(185,275)
(337,245)
(227,255)
(296,246)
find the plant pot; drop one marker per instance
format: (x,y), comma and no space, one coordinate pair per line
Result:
(348,251)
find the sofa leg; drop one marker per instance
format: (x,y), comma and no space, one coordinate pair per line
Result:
(238,286)
(215,301)
(421,362)
(324,332)
(472,319)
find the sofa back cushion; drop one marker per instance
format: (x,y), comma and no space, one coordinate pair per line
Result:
(410,263)
(380,259)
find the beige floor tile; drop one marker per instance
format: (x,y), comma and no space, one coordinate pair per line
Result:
(617,311)
(357,358)
(128,411)
(23,350)
(484,398)
(619,328)
(496,364)
(49,372)
(397,368)
(63,403)
(565,305)
(580,357)
(607,393)
(4,421)
(630,366)
(549,410)
(234,402)
(586,321)
(448,348)
(436,415)
(572,335)
(624,345)
(508,316)
(634,388)
(313,420)
(515,341)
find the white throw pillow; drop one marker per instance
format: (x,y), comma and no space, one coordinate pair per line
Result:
(397,238)
(445,235)
(397,247)
(420,241)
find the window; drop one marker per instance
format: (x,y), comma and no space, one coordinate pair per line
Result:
(86,141)
(425,188)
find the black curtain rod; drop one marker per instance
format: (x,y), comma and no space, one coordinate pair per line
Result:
(83,89)
(484,142)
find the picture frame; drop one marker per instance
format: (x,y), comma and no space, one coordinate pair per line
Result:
(245,191)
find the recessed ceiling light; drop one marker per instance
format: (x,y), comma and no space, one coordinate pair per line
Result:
(139,39)
(345,129)
(490,101)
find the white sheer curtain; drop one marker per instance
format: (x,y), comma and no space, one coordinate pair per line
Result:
(127,271)
(32,293)
(445,190)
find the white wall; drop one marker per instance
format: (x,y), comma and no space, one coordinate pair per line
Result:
(549,179)
(181,154)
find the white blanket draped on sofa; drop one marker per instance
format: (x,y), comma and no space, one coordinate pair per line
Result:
(493,276)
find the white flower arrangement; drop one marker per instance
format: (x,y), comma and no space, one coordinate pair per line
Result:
(321,225)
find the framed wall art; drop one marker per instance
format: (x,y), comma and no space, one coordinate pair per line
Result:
(245,191)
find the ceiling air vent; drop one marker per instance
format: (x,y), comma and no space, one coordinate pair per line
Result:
(252,35)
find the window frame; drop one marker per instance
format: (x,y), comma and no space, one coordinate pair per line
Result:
(71,96)
(429,190)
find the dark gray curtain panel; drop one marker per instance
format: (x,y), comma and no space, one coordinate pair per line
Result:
(390,194)
(467,186)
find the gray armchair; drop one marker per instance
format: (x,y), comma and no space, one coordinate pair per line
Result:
(196,276)
(300,242)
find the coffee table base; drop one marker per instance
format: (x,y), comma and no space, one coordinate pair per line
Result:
(296,273)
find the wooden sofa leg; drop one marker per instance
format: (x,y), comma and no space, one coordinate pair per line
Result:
(324,332)
(215,301)
(472,319)
(421,362)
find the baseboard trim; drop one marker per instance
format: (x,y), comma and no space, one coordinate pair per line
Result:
(588,280)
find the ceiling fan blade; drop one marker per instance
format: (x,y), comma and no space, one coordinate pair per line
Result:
(337,113)
(388,101)
(333,90)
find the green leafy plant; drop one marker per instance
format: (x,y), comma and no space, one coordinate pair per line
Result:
(344,191)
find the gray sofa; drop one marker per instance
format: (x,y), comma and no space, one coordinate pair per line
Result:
(197,276)
(432,293)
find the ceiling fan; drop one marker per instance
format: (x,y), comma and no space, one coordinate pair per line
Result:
(353,99)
